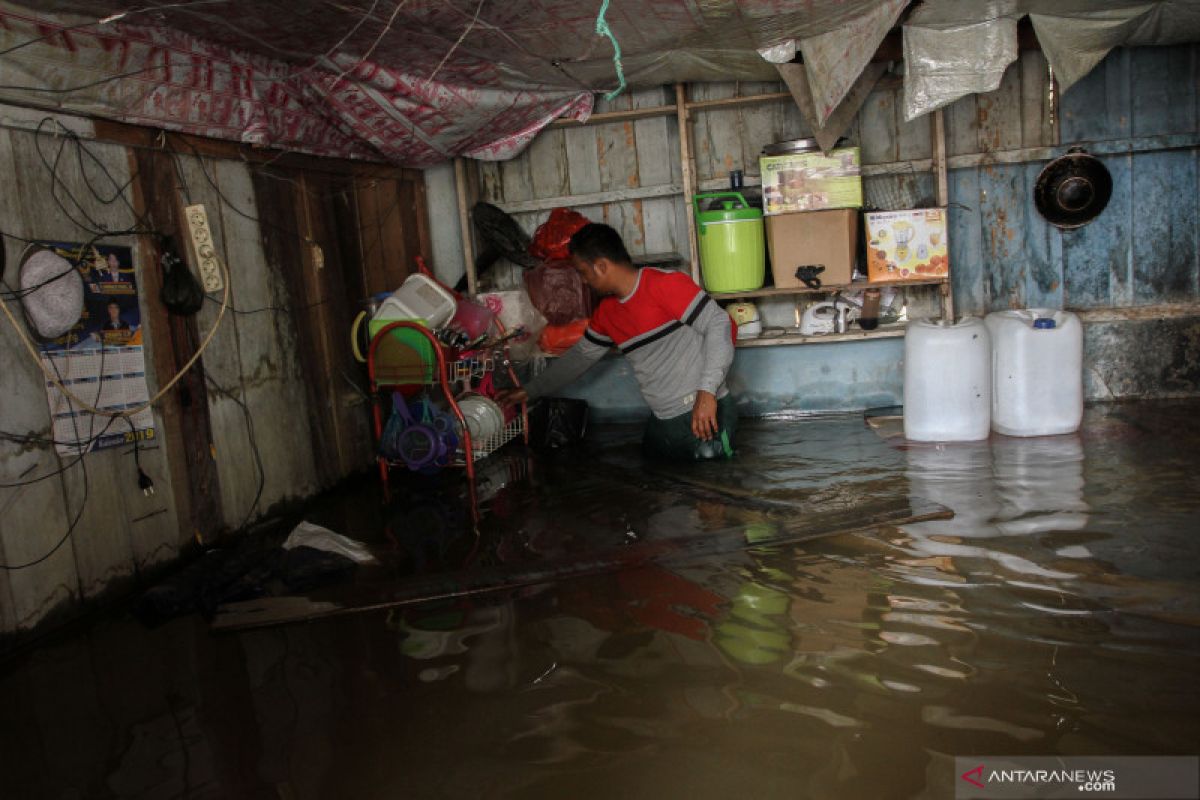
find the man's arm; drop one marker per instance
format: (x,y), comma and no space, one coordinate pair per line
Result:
(712,323)
(590,348)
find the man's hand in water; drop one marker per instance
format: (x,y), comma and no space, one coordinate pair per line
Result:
(704,416)
(509,397)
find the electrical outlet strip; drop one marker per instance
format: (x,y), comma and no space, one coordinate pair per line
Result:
(203,248)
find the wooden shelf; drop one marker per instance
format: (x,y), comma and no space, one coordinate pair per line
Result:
(828,288)
(893,331)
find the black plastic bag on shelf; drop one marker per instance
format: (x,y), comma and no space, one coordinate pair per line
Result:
(557,422)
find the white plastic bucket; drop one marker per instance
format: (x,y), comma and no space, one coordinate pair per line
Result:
(418,298)
(947,381)
(1037,372)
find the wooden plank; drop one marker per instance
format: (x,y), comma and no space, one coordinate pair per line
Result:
(794,524)
(148,138)
(397,259)
(938,126)
(408,215)
(230,443)
(1100,105)
(654,156)
(270,374)
(1036,127)
(515,179)
(726,102)
(688,166)
(825,289)
(883,332)
(101,550)
(718,147)
(464,224)
(1002,200)
(156,538)
(913,139)
(878,127)
(1097,258)
(370,234)
(491,183)
(1164,224)
(424,238)
(331,315)
(32,517)
(1000,113)
(593,198)
(1162,102)
(547,156)
(605,117)
(278,201)
(1043,262)
(965,237)
(761,125)
(962,126)
(583,161)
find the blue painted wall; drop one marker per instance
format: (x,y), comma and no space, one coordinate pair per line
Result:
(1142,251)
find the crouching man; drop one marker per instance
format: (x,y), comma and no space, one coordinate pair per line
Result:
(679,342)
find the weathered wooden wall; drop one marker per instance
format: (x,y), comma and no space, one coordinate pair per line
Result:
(1139,110)
(278,373)
(1140,107)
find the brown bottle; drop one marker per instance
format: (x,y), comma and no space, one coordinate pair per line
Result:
(868,319)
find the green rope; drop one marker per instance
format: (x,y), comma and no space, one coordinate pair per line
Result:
(602,29)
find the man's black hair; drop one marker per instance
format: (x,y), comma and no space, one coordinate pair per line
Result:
(597,240)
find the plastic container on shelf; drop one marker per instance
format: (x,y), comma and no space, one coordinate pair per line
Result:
(947,381)
(1037,372)
(732,245)
(419,297)
(472,318)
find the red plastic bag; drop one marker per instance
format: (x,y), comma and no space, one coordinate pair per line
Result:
(552,236)
(558,339)
(557,291)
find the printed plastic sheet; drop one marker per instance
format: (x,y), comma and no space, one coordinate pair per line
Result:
(411,82)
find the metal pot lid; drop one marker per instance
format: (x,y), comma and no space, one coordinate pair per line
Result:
(1072,189)
(791,146)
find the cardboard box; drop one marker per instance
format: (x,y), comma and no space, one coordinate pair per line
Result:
(811,181)
(826,238)
(903,245)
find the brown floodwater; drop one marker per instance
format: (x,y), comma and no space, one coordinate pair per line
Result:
(1058,612)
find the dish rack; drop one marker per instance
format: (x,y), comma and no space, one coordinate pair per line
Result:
(405,356)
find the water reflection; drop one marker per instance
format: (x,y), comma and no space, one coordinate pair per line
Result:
(1046,617)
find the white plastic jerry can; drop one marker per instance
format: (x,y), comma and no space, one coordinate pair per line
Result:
(1037,372)
(947,381)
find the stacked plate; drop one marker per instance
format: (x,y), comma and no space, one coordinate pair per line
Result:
(485,418)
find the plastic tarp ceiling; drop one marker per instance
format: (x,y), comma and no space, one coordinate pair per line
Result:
(414,82)
(953,48)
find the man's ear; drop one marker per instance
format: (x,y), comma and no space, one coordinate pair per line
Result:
(602,265)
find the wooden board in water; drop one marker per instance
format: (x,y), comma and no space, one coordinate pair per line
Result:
(793,529)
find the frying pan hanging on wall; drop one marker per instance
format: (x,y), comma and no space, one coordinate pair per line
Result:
(1072,189)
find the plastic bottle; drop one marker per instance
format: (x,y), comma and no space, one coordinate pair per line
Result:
(1037,372)
(947,381)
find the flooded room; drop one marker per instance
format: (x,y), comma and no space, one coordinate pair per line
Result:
(334,465)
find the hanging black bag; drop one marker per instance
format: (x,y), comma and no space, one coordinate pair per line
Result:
(181,293)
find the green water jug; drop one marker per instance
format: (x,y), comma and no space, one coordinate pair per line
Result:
(732,253)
